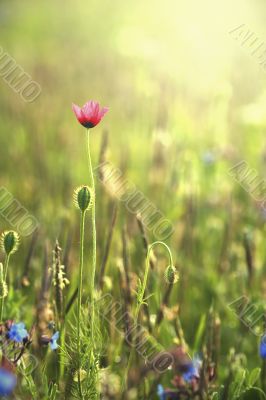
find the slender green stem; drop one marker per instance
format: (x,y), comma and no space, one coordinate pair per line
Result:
(81,257)
(62,348)
(94,241)
(93,266)
(4,276)
(140,300)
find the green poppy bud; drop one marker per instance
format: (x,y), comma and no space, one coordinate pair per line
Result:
(83,198)
(171,274)
(9,242)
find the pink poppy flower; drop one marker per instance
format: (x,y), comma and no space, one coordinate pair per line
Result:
(90,114)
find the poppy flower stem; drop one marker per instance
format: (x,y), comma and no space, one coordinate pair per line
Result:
(81,258)
(141,300)
(4,276)
(94,241)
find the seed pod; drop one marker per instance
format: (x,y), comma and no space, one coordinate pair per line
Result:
(171,274)
(83,198)
(9,242)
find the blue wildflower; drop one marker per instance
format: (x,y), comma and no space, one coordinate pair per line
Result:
(193,369)
(17,332)
(160,392)
(8,382)
(208,158)
(263,347)
(167,394)
(53,341)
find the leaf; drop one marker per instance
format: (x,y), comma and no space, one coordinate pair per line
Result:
(148,297)
(82,374)
(252,394)
(253,376)
(199,332)
(52,392)
(238,384)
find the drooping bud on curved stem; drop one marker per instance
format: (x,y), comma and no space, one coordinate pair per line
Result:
(172,276)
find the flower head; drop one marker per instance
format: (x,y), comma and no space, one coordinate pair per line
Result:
(193,369)
(8,382)
(9,242)
(263,346)
(90,114)
(17,332)
(53,341)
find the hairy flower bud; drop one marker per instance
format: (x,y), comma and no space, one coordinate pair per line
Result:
(83,198)
(171,274)
(9,242)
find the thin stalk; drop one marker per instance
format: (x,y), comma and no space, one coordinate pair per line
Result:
(81,258)
(126,266)
(62,349)
(107,247)
(140,299)
(93,224)
(71,301)
(144,238)
(25,281)
(164,303)
(6,262)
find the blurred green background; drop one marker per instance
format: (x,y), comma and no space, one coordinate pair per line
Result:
(181,90)
(168,66)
